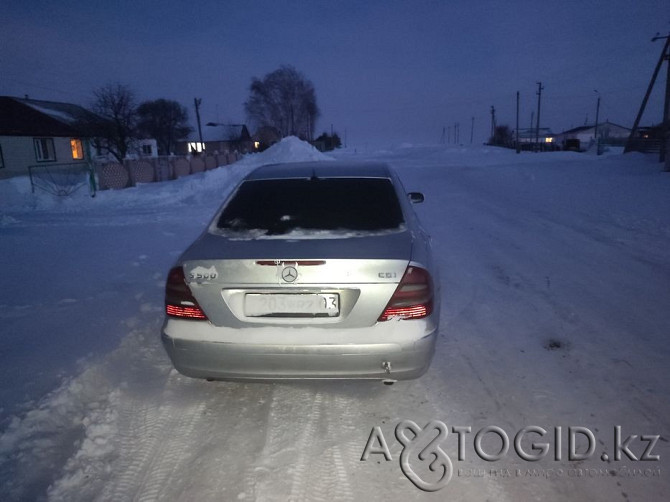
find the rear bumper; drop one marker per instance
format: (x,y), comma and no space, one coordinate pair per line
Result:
(329,354)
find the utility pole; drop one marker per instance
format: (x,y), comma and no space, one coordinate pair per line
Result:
(595,133)
(457,132)
(664,157)
(443,139)
(516,131)
(472,130)
(493,123)
(665,54)
(197,103)
(539,101)
(449,134)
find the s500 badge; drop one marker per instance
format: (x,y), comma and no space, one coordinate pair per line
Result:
(203,274)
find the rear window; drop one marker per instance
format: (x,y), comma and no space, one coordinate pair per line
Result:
(277,207)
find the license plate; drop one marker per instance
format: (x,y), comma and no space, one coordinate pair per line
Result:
(292,305)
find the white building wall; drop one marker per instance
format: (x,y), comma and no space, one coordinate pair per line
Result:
(18,152)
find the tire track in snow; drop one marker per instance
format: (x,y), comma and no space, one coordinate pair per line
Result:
(139,423)
(154,439)
(307,439)
(265,479)
(170,455)
(301,459)
(328,479)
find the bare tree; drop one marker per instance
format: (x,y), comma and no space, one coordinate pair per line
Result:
(284,100)
(115,104)
(165,121)
(502,136)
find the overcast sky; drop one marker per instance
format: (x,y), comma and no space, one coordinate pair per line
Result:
(384,71)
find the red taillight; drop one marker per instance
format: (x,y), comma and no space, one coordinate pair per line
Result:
(179,301)
(413,298)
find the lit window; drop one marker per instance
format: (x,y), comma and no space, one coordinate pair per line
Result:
(44,149)
(77,150)
(548,140)
(196,146)
(257,144)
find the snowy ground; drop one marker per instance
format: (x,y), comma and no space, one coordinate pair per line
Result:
(556,280)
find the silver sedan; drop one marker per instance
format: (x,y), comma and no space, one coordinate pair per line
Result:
(308,270)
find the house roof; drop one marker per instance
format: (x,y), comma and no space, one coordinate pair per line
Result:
(575,130)
(223,132)
(532,132)
(32,117)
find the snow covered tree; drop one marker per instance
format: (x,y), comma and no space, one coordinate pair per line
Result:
(165,121)
(284,100)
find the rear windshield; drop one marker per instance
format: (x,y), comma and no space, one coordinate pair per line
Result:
(277,207)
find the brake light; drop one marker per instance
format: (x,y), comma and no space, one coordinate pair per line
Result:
(179,301)
(413,298)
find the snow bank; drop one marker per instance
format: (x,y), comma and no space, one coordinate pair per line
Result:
(289,149)
(16,193)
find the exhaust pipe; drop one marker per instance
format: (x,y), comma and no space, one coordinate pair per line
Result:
(387,368)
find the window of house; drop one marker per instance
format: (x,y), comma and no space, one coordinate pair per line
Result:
(77,149)
(44,150)
(146,150)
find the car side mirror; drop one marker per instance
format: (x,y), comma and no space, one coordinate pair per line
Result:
(416,197)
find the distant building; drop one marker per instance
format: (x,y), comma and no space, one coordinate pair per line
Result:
(147,147)
(265,137)
(581,138)
(531,138)
(647,139)
(138,149)
(217,138)
(35,132)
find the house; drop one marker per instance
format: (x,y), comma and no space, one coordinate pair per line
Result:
(35,132)
(581,138)
(265,137)
(530,137)
(217,138)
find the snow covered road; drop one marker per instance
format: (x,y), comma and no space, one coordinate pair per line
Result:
(556,287)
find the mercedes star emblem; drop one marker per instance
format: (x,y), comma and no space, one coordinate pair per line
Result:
(289,274)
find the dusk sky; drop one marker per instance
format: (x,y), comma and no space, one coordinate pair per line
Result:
(384,71)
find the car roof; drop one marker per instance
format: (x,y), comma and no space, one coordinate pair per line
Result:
(321,169)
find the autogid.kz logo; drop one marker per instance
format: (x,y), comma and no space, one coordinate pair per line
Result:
(420,446)
(426,464)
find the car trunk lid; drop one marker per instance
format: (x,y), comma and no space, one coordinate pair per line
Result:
(361,273)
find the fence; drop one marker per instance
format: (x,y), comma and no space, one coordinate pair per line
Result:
(115,175)
(644,145)
(62,179)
